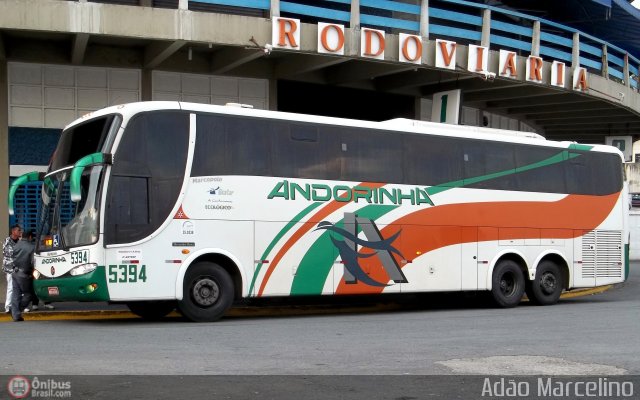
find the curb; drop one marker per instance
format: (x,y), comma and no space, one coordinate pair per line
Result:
(585,292)
(249,312)
(236,312)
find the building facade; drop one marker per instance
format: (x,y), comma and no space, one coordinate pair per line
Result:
(501,66)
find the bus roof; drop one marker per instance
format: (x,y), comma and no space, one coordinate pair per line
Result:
(397,124)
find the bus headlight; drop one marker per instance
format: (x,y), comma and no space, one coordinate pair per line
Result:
(83,269)
(36,274)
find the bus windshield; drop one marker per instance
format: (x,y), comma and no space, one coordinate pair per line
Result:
(86,138)
(63,223)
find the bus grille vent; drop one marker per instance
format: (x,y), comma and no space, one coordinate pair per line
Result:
(602,254)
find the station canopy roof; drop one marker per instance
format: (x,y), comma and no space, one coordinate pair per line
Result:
(614,21)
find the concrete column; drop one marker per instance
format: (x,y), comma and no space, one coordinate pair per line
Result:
(275,8)
(535,39)
(354,22)
(422,109)
(424,19)
(575,52)
(183,4)
(626,72)
(4,147)
(605,62)
(146,88)
(353,45)
(273,94)
(486,28)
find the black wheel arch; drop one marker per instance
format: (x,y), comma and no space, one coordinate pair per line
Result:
(228,265)
(518,259)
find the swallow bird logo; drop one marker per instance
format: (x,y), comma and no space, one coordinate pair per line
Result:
(348,249)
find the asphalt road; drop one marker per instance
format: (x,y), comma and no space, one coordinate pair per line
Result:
(590,335)
(439,349)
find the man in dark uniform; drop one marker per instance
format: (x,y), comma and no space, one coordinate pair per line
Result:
(22,283)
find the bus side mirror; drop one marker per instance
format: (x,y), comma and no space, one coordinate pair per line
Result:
(21,180)
(78,167)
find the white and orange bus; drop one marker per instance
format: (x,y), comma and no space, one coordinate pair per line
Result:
(194,206)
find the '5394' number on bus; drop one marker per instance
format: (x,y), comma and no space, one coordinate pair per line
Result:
(131,273)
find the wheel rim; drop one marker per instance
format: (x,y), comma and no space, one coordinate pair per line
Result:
(508,284)
(548,283)
(205,292)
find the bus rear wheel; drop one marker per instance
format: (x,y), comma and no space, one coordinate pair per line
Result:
(507,284)
(151,310)
(207,292)
(547,286)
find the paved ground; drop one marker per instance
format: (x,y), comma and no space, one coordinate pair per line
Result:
(587,335)
(287,306)
(429,347)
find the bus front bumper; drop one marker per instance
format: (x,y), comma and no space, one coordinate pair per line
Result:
(87,287)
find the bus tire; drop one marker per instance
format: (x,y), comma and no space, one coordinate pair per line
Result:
(507,284)
(547,286)
(207,292)
(151,310)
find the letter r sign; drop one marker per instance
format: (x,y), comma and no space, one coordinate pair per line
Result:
(285,33)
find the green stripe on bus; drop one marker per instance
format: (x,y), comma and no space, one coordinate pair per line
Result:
(558,158)
(577,146)
(279,236)
(316,264)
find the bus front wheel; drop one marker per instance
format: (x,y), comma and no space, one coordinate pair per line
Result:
(151,310)
(507,284)
(207,292)
(547,286)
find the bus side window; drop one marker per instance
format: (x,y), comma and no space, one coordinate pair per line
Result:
(209,153)
(432,161)
(489,165)
(147,175)
(540,169)
(474,161)
(593,173)
(230,145)
(578,174)
(371,157)
(248,143)
(305,151)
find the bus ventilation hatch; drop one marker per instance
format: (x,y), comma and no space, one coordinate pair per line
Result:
(602,254)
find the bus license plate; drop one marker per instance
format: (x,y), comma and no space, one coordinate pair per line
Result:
(53,291)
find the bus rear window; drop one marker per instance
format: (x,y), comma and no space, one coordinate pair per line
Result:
(81,140)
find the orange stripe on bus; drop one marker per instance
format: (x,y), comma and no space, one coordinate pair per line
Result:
(438,227)
(306,227)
